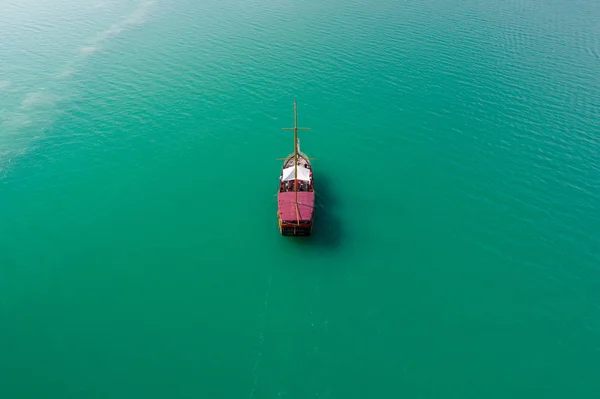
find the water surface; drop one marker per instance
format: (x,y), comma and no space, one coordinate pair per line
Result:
(457,167)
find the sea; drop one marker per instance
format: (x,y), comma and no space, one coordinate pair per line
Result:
(456,245)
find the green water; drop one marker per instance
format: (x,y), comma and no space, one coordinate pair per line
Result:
(456,251)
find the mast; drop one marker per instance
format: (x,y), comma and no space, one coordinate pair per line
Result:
(296,157)
(295,129)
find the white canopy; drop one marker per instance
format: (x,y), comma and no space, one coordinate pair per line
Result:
(303,173)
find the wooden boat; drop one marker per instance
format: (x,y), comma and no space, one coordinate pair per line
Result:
(296,196)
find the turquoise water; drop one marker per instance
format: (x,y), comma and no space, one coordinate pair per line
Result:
(456,247)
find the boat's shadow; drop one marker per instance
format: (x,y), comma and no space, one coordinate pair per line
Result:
(328,227)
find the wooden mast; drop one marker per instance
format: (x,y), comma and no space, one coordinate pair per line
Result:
(295,129)
(296,157)
(296,163)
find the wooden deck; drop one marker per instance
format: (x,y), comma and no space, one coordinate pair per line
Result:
(302,161)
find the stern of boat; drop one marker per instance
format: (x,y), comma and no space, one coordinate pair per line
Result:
(293,229)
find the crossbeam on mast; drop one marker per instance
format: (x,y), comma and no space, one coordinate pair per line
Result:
(283,159)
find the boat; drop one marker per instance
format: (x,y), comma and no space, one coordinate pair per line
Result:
(296,195)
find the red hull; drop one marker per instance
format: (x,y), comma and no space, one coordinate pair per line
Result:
(295,217)
(296,197)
